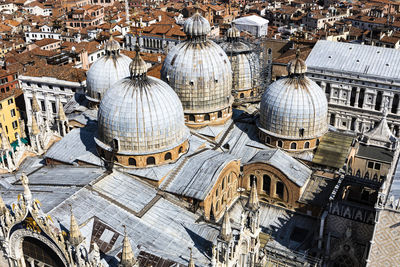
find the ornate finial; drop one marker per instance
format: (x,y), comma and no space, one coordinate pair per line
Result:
(298,52)
(35,127)
(35,104)
(226,229)
(112,46)
(75,236)
(191,261)
(61,113)
(297,66)
(252,202)
(127,257)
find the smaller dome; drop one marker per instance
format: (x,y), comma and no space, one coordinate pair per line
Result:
(233,32)
(297,65)
(138,66)
(112,45)
(196,25)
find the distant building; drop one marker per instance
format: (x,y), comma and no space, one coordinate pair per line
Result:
(358,81)
(255,25)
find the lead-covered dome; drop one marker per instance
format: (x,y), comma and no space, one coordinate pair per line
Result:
(105,71)
(200,73)
(245,66)
(294,107)
(141,116)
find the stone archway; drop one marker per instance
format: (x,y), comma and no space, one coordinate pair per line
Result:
(22,240)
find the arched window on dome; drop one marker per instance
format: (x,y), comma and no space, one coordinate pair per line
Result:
(207,117)
(301,132)
(180,150)
(293,145)
(151,161)
(115,145)
(220,114)
(268,140)
(280,143)
(191,118)
(168,156)
(307,144)
(132,161)
(241,95)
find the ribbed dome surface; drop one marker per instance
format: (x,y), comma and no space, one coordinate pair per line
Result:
(291,104)
(233,32)
(143,114)
(245,65)
(200,73)
(105,72)
(196,25)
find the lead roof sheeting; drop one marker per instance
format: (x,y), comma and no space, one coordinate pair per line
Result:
(375,153)
(241,141)
(199,174)
(130,191)
(354,58)
(292,168)
(150,231)
(76,145)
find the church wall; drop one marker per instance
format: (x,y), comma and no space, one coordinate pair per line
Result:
(291,192)
(287,144)
(373,168)
(224,191)
(212,118)
(141,161)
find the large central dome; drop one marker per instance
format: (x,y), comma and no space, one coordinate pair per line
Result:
(141,120)
(293,110)
(107,70)
(200,73)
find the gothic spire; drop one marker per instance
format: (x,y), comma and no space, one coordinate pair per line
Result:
(127,258)
(35,104)
(75,236)
(252,202)
(35,127)
(191,261)
(226,230)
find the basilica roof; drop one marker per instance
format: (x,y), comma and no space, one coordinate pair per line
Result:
(199,71)
(107,70)
(142,113)
(294,107)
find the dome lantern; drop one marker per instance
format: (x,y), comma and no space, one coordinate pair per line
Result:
(112,47)
(297,66)
(138,66)
(197,27)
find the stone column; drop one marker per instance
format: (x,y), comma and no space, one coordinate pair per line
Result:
(390,102)
(348,97)
(357,96)
(373,101)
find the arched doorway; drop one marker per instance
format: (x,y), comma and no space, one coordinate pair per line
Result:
(39,252)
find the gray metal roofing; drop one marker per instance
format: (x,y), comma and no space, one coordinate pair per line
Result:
(128,190)
(199,174)
(243,141)
(375,153)
(296,171)
(166,230)
(77,145)
(51,185)
(354,58)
